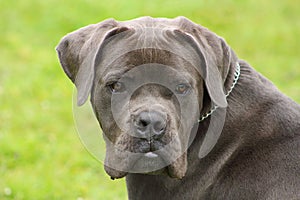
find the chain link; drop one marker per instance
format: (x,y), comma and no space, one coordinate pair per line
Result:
(237,74)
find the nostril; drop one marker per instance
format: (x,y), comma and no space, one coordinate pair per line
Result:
(159,126)
(143,120)
(143,123)
(159,129)
(142,126)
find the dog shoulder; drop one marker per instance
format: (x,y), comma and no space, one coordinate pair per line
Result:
(267,170)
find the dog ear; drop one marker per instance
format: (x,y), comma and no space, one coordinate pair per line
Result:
(226,59)
(216,58)
(77,52)
(208,70)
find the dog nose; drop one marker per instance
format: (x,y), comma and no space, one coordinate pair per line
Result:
(150,125)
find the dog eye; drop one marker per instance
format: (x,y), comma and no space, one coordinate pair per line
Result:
(116,87)
(182,88)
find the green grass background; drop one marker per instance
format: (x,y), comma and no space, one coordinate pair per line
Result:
(41,156)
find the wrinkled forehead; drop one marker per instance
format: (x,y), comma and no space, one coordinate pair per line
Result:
(148,63)
(148,44)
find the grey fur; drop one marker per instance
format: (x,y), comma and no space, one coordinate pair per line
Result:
(258,153)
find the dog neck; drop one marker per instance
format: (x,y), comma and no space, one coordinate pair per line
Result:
(230,82)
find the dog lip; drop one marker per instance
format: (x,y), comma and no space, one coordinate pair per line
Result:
(140,162)
(147,163)
(151,155)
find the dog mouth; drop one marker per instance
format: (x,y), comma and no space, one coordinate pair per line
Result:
(152,164)
(157,163)
(168,160)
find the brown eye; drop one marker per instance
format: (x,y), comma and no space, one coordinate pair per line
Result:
(116,87)
(182,88)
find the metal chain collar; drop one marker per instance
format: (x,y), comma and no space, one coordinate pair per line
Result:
(235,79)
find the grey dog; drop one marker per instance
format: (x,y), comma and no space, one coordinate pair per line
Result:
(182,116)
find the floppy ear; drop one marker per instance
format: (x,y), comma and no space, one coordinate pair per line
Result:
(225,59)
(77,52)
(208,70)
(217,57)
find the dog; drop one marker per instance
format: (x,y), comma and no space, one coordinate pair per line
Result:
(182,116)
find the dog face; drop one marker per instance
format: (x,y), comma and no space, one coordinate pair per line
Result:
(150,98)
(146,78)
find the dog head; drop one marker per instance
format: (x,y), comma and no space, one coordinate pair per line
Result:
(149,80)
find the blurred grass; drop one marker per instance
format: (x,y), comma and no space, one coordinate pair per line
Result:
(41,156)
